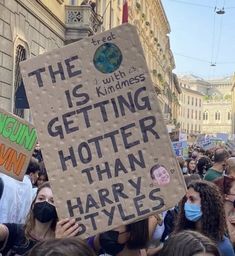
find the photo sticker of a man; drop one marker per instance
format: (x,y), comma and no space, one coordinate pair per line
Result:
(159,175)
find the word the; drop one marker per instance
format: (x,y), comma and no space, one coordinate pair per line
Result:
(71,69)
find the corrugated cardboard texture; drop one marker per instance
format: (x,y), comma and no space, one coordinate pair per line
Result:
(102,132)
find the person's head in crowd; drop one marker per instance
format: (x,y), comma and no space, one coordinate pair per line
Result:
(191,165)
(190,178)
(42,210)
(124,239)
(195,154)
(37,152)
(33,170)
(42,177)
(203,164)
(230,170)
(226,185)
(189,243)
(202,210)
(220,157)
(61,247)
(201,153)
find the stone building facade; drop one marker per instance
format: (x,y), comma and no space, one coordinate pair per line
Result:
(216,113)
(29,28)
(191,111)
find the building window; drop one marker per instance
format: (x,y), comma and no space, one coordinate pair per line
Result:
(199,128)
(195,128)
(20,56)
(196,102)
(191,113)
(188,114)
(200,103)
(205,115)
(192,101)
(73,2)
(191,128)
(199,117)
(229,115)
(188,100)
(217,115)
(195,114)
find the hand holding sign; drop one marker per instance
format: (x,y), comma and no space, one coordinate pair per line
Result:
(102,130)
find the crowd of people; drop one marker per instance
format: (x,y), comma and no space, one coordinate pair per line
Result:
(202,223)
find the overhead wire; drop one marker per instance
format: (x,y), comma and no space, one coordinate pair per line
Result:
(197,4)
(203,60)
(213,36)
(191,3)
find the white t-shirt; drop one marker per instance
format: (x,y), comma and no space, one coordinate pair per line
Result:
(16,199)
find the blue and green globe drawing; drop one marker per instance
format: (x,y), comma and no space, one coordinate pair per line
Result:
(107,58)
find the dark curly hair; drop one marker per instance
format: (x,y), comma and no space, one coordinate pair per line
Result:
(188,243)
(213,222)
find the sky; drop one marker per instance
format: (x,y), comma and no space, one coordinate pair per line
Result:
(199,37)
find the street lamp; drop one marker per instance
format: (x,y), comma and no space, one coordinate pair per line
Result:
(220,11)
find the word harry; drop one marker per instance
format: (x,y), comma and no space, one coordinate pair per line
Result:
(108,203)
(10,160)
(17,132)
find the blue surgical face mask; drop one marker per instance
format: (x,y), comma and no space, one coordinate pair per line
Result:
(192,211)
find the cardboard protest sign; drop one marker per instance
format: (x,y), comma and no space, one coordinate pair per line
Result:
(101,131)
(222,136)
(17,141)
(183,136)
(180,148)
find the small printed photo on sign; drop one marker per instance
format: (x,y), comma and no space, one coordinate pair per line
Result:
(160,175)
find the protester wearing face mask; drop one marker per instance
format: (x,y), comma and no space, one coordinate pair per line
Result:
(18,239)
(227,188)
(202,210)
(122,241)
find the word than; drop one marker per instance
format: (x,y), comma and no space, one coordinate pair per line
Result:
(11,160)
(17,132)
(109,202)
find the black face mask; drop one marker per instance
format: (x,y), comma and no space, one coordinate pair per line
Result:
(44,212)
(109,242)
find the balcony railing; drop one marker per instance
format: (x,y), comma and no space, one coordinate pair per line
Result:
(81,21)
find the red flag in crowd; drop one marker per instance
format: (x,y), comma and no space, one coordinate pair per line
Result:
(125,12)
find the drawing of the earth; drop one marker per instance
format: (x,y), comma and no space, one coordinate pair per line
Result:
(107,58)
